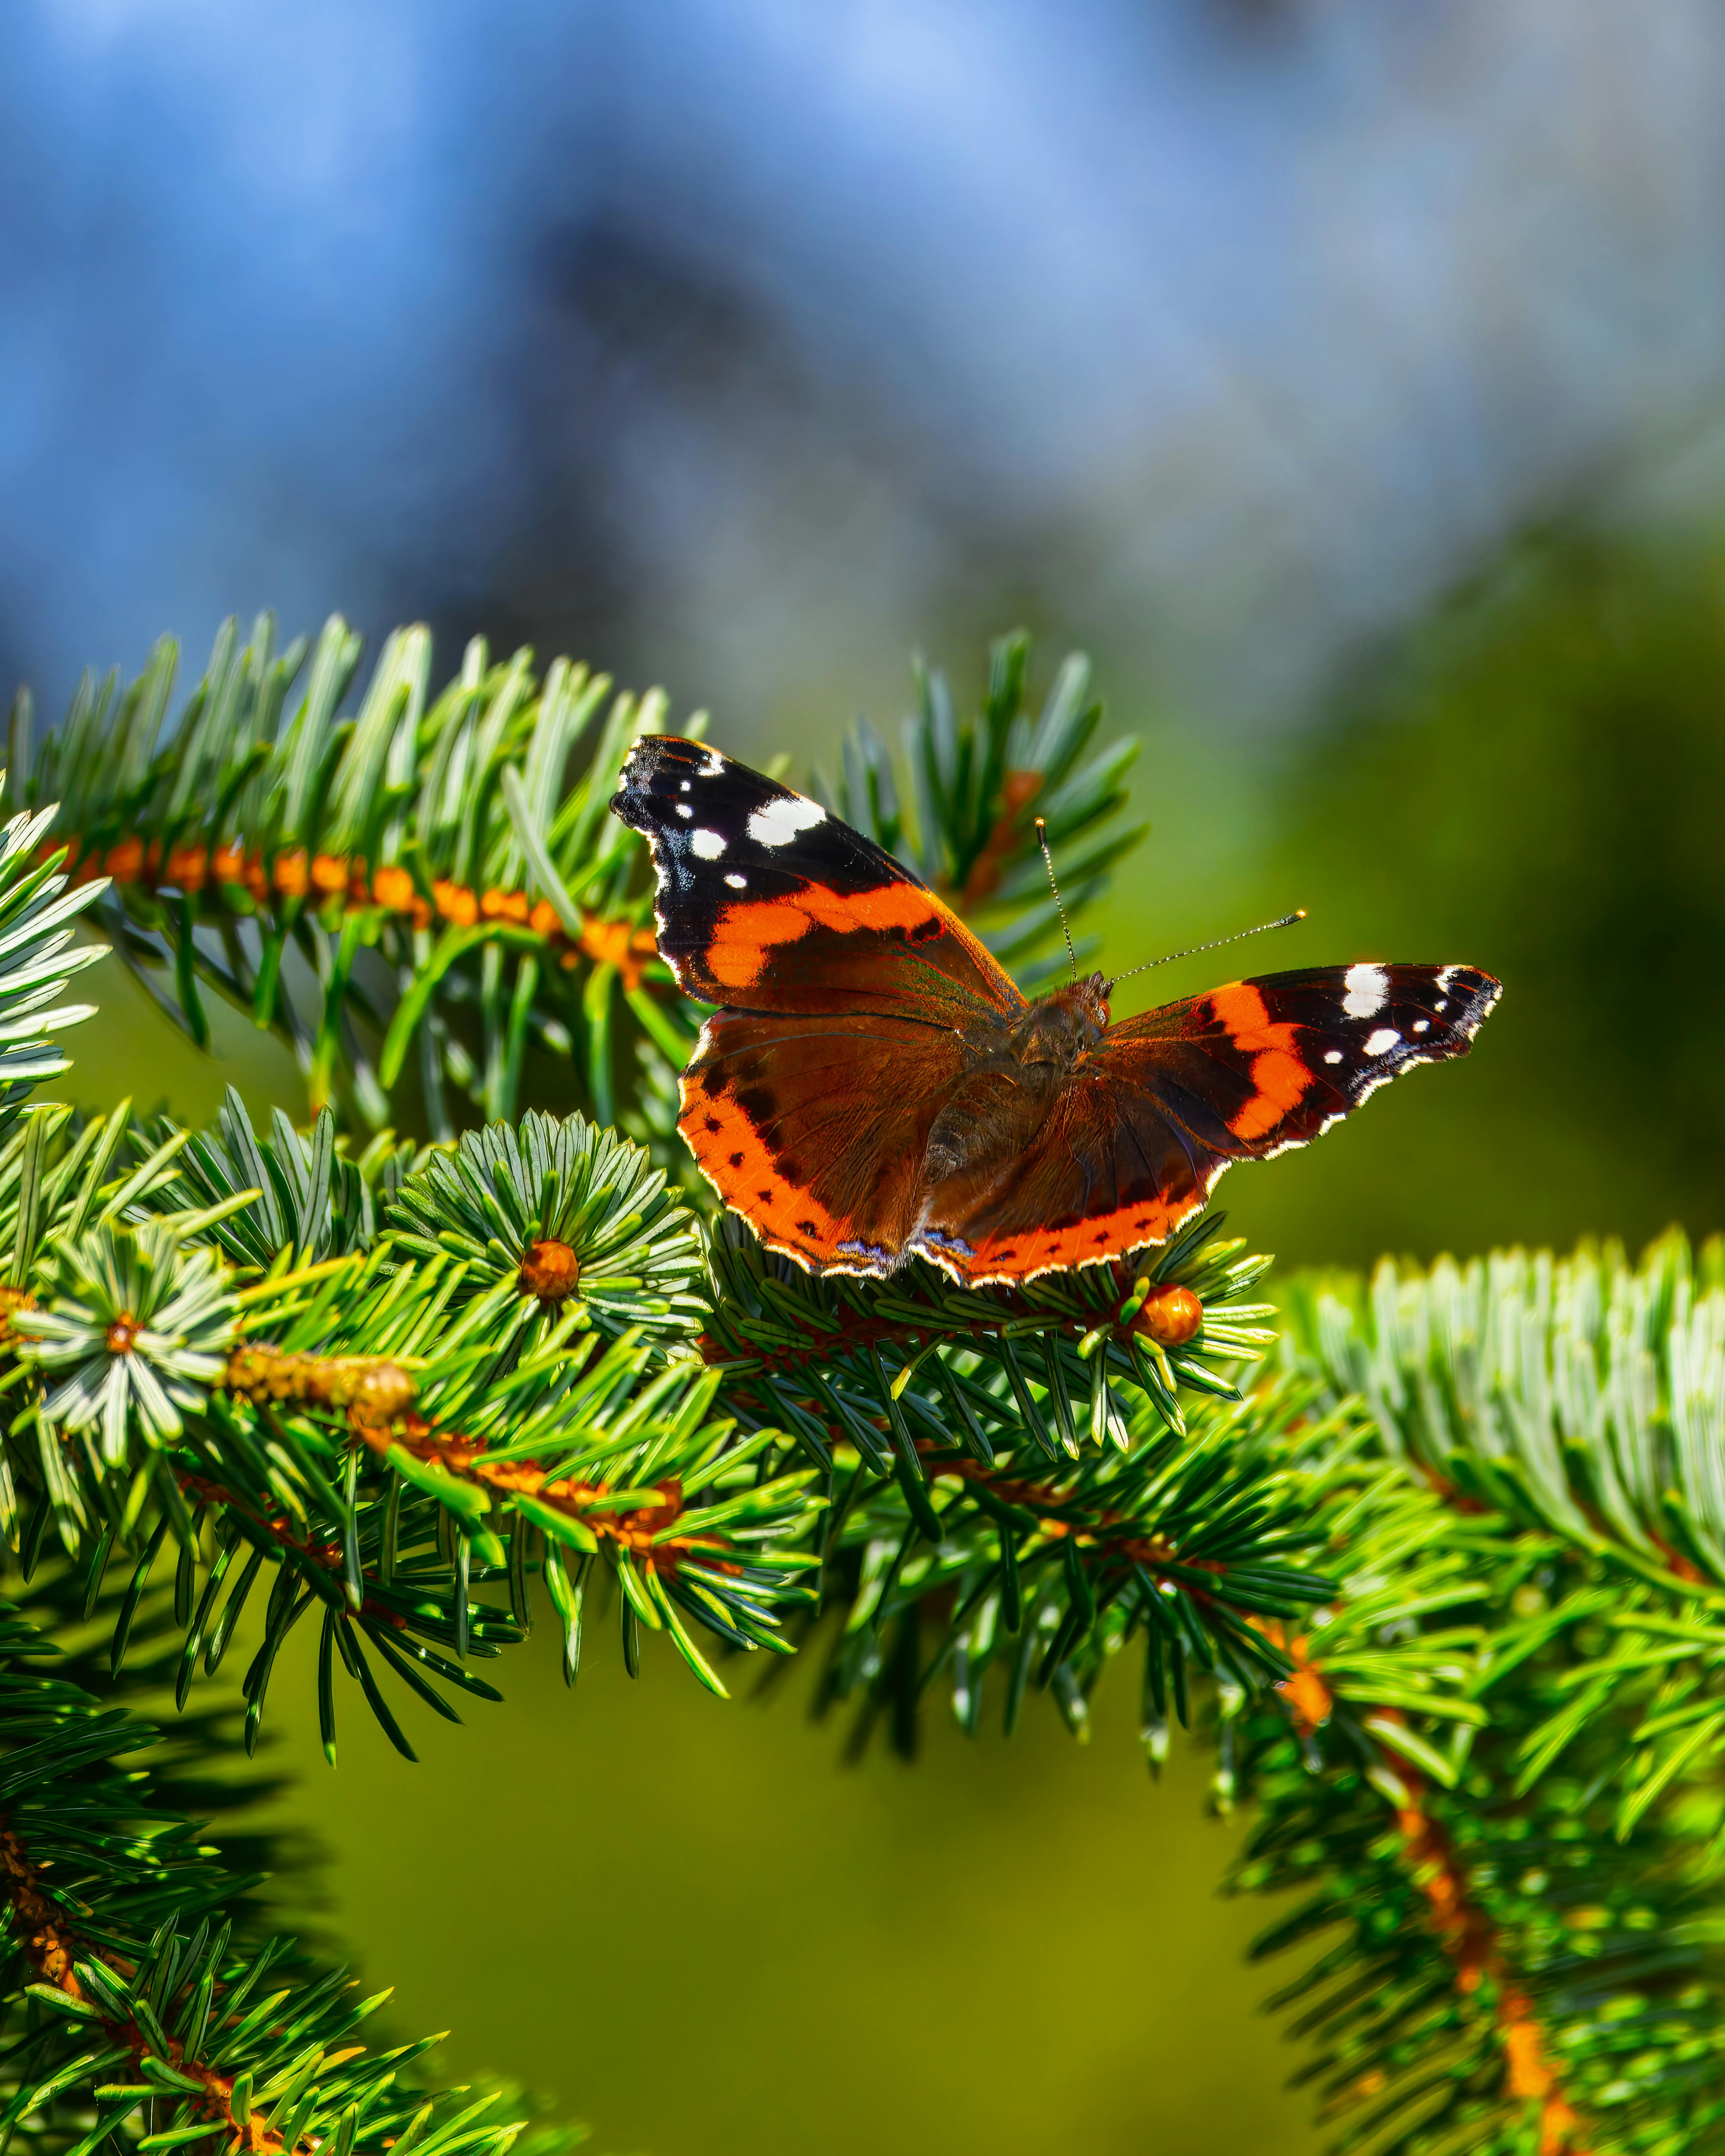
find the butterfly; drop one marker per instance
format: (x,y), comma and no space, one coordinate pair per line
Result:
(873,1087)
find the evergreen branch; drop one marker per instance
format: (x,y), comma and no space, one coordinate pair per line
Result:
(1393,2003)
(239,829)
(386,1430)
(773,1324)
(305,1197)
(1197,1542)
(975,779)
(1582,1399)
(37,958)
(1497,1983)
(967,1485)
(1580,1395)
(1529,1956)
(139,2001)
(553,1211)
(974,782)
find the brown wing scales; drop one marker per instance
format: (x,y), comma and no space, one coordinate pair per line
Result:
(1108,1172)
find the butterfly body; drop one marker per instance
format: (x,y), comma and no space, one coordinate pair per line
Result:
(1012,1074)
(873,1086)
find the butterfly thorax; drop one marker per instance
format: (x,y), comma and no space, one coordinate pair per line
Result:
(1060,1029)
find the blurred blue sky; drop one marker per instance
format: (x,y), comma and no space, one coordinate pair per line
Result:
(744,345)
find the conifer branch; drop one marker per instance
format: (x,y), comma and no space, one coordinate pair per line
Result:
(1583,1400)
(1546,1899)
(436,833)
(385,1431)
(141,2000)
(974,782)
(1446,1589)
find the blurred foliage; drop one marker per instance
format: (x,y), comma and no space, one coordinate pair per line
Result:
(1534,780)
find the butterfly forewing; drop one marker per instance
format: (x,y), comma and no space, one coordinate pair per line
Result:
(1260,1064)
(767,903)
(1137,1138)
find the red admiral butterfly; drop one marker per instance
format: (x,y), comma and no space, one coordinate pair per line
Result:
(874,1087)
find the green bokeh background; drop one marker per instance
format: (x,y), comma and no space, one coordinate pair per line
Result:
(692,1922)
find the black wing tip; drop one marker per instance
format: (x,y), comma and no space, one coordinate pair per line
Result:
(1478,993)
(649,755)
(648,752)
(1475,993)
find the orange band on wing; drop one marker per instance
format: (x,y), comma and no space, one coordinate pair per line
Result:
(1104,1236)
(1283,1081)
(1281,1078)
(745,933)
(1238,1008)
(730,1151)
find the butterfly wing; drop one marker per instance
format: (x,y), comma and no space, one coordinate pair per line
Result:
(1137,1138)
(815,1128)
(767,903)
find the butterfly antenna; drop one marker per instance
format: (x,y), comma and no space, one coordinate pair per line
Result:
(1042,841)
(1239,936)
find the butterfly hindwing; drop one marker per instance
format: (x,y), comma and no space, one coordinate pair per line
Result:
(767,903)
(815,1129)
(1107,1173)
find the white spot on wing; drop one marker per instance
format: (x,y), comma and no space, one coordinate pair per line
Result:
(1383,1040)
(738,882)
(1367,987)
(779,822)
(1422,1026)
(683,787)
(713,768)
(1444,979)
(683,809)
(1333,1055)
(707,843)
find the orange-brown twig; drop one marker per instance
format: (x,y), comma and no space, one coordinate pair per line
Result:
(1466,1933)
(374,1387)
(289,875)
(1470,1940)
(325,1554)
(638,1531)
(1018,790)
(49,1941)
